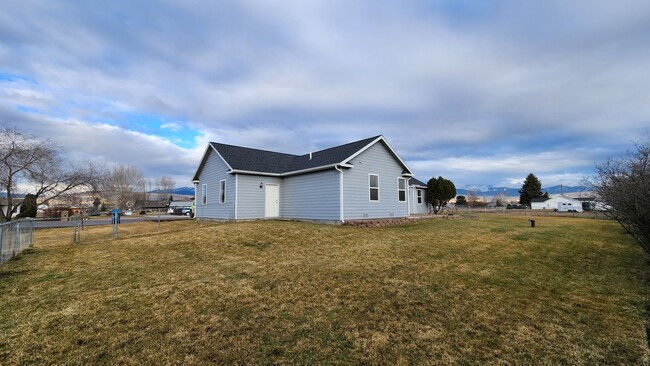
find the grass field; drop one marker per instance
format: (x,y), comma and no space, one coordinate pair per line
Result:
(486,291)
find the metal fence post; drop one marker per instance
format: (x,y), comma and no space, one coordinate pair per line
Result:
(19,236)
(31,234)
(2,244)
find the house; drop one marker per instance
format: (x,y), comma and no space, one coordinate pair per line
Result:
(17,204)
(553,203)
(150,205)
(364,179)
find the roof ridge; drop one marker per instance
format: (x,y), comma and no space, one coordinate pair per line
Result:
(343,145)
(252,148)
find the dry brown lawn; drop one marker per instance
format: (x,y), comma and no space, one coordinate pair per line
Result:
(487,291)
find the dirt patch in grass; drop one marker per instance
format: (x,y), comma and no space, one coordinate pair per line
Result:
(493,290)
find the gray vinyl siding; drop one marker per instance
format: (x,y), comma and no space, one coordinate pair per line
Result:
(357,205)
(415,207)
(313,196)
(250,197)
(212,173)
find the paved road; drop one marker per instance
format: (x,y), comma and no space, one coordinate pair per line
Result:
(107,221)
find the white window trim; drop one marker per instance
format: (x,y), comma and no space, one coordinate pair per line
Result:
(399,189)
(419,196)
(377,188)
(222,192)
(204,194)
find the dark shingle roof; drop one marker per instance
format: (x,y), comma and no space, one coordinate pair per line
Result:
(416,182)
(271,162)
(255,160)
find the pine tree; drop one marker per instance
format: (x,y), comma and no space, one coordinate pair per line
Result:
(532,188)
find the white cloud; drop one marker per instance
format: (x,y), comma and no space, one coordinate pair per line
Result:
(477,94)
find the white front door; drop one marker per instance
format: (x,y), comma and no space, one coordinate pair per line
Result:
(272,200)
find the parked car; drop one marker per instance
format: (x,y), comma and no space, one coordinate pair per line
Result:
(516,207)
(186,211)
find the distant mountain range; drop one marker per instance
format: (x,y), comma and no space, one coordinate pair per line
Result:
(15,195)
(185,191)
(512,192)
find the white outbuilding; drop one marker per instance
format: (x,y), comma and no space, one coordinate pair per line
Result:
(560,202)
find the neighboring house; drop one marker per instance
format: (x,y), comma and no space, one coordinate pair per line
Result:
(553,203)
(417,193)
(150,205)
(17,204)
(361,180)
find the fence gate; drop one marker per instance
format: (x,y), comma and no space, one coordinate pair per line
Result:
(15,236)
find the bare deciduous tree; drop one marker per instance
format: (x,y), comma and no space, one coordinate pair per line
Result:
(165,185)
(123,185)
(472,198)
(624,185)
(24,159)
(54,178)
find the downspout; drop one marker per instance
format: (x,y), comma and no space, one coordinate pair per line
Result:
(196,191)
(408,197)
(236,193)
(342,217)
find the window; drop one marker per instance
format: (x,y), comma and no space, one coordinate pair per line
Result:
(222,191)
(419,196)
(373,182)
(204,194)
(401,189)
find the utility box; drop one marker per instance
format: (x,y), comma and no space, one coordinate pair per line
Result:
(116,213)
(64,215)
(531,223)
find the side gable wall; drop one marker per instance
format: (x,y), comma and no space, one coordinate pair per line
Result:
(212,173)
(357,205)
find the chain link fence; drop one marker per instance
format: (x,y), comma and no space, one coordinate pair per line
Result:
(15,236)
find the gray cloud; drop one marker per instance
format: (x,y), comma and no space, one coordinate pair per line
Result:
(454,85)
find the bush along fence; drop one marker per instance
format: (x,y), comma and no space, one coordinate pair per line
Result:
(15,236)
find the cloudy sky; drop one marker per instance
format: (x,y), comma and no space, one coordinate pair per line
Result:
(482,93)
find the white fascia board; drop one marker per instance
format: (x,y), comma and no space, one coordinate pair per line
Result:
(250,172)
(323,167)
(397,156)
(198,168)
(224,160)
(295,172)
(205,157)
(390,148)
(361,150)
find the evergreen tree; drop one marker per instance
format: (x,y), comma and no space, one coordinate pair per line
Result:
(461,200)
(532,188)
(29,206)
(439,192)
